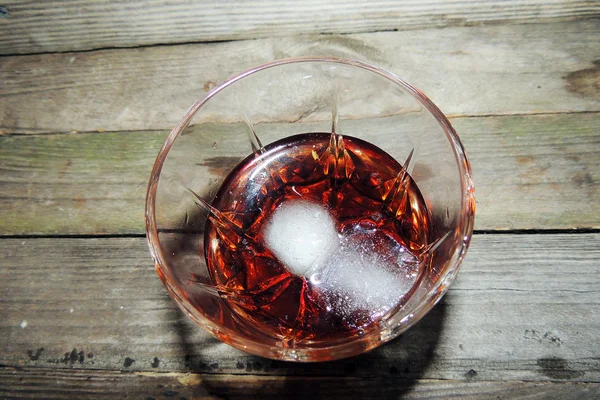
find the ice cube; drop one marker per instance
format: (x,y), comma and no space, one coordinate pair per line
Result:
(300,233)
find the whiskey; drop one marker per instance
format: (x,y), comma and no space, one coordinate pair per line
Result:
(318,236)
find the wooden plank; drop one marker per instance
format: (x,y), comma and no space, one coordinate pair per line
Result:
(525,307)
(43,383)
(85,24)
(541,68)
(531,172)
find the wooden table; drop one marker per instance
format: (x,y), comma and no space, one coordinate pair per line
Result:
(88,92)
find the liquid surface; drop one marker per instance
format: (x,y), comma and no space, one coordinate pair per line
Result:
(319,237)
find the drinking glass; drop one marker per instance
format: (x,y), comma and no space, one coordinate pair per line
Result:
(244,115)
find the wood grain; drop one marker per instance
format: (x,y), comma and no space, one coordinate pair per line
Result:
(531,172)
(525,307)
(43,383)
(518,69)
(52,26)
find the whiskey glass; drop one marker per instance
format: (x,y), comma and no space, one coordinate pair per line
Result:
(251,114)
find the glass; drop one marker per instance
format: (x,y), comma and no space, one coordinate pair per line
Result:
(360,108)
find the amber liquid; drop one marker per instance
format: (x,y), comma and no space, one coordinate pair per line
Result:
(371,199)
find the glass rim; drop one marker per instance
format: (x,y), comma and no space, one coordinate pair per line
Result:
(466,209)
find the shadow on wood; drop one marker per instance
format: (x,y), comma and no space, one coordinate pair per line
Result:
(390,370)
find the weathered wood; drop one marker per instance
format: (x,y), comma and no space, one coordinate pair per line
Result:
(531,172)
(525,307)
(85,24)
(42,383)
(541,68)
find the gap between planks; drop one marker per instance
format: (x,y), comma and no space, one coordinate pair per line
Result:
(475,232)
(451,117)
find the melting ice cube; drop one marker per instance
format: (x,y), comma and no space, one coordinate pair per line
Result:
(366,276)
